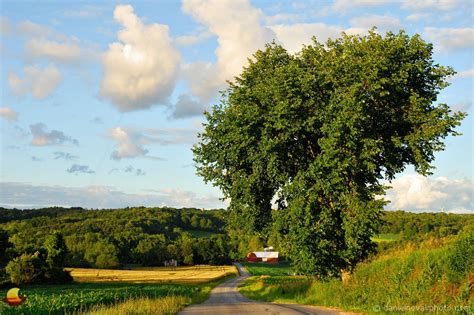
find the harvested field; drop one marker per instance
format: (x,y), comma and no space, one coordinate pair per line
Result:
(193,274)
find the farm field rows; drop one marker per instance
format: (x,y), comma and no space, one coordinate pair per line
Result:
(193,274)
(108,290)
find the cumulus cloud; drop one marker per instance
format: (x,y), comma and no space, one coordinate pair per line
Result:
(41,137)
(22,195)
(239,34)
(8,113)
(141,69)
(40,83)
(417,193)
(64,156)
(448,39)
(187,106)
(293,36)
(76,169)
(131,142)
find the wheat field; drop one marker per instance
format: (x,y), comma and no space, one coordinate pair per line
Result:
(185,274)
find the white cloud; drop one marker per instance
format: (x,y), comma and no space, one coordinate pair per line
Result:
(382,22)
(41,137)
(24,195)
(189,40)
(283,17)
(448,39)
(187,107)
(131,142)
(417,17)
(293,36)
(8,113)
(141,69)
(34,30)
(441,5)
(65,53)
(417,193)
(465,74)
(41,83)
(346,5)
(236,23)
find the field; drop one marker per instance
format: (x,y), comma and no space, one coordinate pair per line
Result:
(262,269)
(115,291)
(198,274)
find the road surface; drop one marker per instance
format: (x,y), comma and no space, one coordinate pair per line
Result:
(226,299)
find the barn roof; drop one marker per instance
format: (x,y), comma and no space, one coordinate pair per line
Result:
(266,254)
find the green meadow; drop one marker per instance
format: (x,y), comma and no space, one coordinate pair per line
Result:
(435,275)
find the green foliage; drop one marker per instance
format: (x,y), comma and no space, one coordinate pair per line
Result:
(60,299)
(320,130)
(151,250)
(461,257)
(56,250)
(110,238)
(25,269)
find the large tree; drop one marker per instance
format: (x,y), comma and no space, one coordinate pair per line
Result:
(319,132)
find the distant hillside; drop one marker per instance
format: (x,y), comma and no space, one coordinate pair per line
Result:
(109,238)
(148,236)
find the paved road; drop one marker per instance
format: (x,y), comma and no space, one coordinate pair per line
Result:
(226,299)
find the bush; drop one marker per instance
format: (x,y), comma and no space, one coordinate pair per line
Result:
(461,257)
(24,269)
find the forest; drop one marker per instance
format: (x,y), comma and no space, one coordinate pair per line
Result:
(46,240)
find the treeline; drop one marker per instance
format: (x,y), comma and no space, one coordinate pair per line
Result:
(409,225)
(149,236)
(111,238)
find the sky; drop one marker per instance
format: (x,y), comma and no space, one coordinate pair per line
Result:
(102,101)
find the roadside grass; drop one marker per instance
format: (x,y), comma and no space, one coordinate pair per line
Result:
(433,276)
(263,269)
(81,298)
(170,304)
(142,306)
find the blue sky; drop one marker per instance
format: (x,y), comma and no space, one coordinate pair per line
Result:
(101,102)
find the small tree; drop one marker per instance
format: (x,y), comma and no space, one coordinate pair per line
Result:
(24,269)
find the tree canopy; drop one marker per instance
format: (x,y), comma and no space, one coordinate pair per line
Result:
(317,133)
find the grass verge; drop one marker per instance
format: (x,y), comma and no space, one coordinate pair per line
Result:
(434,276)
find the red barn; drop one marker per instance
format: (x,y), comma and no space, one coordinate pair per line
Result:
(266,257)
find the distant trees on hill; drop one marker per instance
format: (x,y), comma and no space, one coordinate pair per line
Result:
(35,245)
